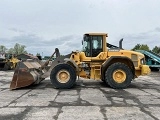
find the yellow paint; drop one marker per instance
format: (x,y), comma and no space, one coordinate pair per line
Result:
(63,76)
(145,70)
(119,76)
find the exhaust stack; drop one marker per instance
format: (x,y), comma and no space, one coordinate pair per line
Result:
(120,43)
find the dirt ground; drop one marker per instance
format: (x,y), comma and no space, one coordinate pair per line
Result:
(92,101)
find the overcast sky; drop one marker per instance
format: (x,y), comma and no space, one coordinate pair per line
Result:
(43,25)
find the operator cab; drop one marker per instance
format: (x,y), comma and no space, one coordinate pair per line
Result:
(92,45)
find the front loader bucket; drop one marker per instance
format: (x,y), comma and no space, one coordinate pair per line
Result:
(32,72)
(26,73)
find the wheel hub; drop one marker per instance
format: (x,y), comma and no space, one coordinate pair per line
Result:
(63,76)
(119,76)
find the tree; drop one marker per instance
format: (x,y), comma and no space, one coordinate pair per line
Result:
(136,47)
(156,49)
(11,51)
(141,47)
(144,47)
(18,49)
(3,49)
(38,54)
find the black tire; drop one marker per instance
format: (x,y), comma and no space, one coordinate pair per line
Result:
(119,71)
(66,72)
(6,67)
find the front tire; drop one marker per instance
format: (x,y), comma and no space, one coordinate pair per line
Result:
(63,76)
(118,76)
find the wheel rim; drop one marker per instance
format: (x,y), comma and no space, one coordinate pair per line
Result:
(63,76)
(119,76)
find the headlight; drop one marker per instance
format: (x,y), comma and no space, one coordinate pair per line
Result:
(142,61)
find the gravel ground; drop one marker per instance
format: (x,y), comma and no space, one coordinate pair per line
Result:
(92,101)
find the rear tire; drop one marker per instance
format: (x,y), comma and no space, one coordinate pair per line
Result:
(63,76)
(118,76)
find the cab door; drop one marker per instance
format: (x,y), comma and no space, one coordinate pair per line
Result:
(96,45)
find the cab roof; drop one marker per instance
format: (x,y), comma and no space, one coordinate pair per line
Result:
(106,34)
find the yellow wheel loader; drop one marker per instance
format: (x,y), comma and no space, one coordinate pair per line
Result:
(98,60)
(8,61)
